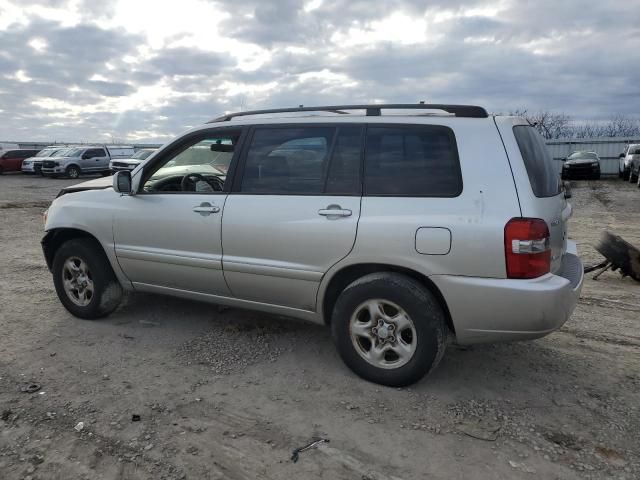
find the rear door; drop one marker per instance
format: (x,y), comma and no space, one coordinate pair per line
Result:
(293,212)
(538,182)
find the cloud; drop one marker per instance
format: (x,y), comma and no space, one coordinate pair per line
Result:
(70,70)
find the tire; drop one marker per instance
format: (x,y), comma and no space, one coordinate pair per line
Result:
(398,294)
(106,290)
(625,175)
(596,176)
(72,171)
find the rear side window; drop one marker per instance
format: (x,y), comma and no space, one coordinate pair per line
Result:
(419,161)
(545,181)
(287,160)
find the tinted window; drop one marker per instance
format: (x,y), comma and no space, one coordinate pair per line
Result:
(96,152)
(412,161)
(344,168)
(545,181)
(287,160)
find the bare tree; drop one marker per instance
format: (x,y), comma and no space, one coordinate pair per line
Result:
(559,125)
(550,125)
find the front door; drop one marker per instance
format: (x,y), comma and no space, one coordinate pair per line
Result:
(168,235)
(94,159)
(293,212)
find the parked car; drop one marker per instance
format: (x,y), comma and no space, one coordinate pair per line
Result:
(11,160)
(625,161)
(8,146)
(396,231)
(130,163)
(632,160)
(34,164)
(581,165)
(86,159)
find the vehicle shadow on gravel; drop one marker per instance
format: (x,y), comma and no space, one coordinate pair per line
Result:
(207,335)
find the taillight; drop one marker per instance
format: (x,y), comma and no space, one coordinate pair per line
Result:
(526,248)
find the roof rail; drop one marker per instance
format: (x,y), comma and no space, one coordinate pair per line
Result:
(373,110)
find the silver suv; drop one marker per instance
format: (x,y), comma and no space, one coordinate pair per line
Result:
(400,231)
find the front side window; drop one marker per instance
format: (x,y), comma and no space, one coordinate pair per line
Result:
(291,160)
(94,152)
(415,160)
(199,167)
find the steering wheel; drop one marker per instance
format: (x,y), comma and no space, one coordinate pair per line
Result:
(190,178)
(196,177)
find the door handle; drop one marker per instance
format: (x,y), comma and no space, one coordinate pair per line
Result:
(205,208)
(335,211)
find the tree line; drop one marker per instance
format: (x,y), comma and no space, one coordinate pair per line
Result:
(560,125)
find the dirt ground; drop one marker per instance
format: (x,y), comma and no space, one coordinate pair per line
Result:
(229,394)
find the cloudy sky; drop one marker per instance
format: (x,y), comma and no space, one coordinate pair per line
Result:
(145,70)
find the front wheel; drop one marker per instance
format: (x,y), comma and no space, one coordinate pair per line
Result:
(73,171)
(389,329)
(84,280)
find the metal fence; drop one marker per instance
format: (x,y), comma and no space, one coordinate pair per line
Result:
(607,148)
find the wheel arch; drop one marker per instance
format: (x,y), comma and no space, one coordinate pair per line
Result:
(54,238)
(345,276)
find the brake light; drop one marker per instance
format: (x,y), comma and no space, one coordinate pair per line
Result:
(526,248)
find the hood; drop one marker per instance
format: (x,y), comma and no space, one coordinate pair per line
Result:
(581,161)
(96,184)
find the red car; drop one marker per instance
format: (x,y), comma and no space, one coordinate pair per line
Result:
(11,160)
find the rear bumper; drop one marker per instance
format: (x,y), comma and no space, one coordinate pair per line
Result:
(497,310)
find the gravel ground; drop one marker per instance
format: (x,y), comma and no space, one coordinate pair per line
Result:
(230,393)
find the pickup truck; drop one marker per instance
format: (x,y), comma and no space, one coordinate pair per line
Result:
(86,159)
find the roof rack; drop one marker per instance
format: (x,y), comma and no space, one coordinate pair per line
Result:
(373,110)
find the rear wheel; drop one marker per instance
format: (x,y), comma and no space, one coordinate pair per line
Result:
(73,171)
(389,329)
(84,280)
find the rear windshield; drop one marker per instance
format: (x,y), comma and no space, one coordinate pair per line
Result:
(545,181)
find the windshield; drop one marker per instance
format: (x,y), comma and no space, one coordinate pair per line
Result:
(62,152)
(583,155)
(634,151)
(142,154)
(47,152)
(72,152)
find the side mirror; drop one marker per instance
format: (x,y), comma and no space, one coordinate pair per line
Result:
(122,182)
